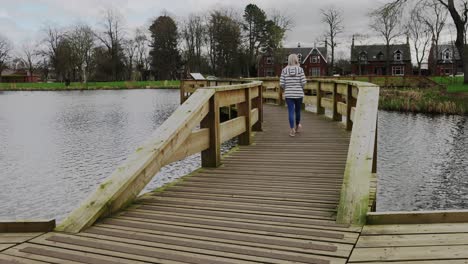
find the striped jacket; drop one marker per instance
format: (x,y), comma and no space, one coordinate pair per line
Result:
(293,80)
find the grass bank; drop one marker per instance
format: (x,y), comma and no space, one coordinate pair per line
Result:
(88,86)
(423,101)
(453,84)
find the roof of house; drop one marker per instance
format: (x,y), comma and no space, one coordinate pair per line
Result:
(373,51)
(447,46)
(305,52)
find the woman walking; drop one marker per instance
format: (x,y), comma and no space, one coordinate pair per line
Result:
(293,81)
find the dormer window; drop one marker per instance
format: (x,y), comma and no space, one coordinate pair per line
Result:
(447,55)
(269,60)
(363,56)
(315,59)
(398,56)
(299,56)
(380,56)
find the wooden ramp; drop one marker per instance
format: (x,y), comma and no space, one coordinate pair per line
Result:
(272,202)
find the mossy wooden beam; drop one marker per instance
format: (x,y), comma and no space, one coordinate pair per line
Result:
(127,181)
(354,200)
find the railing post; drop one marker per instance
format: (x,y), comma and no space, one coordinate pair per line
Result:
(182,91)
(349,106)
(280,96)
(212,156)
(336,97)
(258,103)
(320,109)
(244,109)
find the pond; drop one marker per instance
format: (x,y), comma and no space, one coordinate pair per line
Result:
(56,147)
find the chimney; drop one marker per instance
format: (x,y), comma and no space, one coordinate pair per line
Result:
(407,39)
(298,44)
(352,43)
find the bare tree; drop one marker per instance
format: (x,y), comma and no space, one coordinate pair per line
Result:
(52,40)
(386,21)
(333,19)
(142,59)
(194,35)
(420,35)
(111,37)
(29,58)
(5,49)
(82,43)
(130,49)
(459,16)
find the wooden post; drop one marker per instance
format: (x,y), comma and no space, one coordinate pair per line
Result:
(349,105)
(258,103)
(280,96)
(243,109)
(182,92)
(320,109)
(336,98)
(212,157)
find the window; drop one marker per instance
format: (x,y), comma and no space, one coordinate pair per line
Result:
(398,70)
(447,55)
(299,56)
(363,57)
(315,59)
(315,71)
(269,60)
(269,72)
(398,56)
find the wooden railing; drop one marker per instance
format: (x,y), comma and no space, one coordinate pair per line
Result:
(358,103)
(174,140)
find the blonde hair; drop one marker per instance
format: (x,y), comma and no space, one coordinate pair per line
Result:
(293,60)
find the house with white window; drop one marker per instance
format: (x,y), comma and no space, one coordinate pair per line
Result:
(312,60)
(371,59)
(446,60)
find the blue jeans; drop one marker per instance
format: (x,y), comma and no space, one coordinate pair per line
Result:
(294,106)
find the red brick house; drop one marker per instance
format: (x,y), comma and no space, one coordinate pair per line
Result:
(18,76)
(312,60)
(446,61)
(370,60)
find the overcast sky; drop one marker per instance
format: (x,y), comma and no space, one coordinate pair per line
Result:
(21,20)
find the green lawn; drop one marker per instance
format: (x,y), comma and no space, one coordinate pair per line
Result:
(90,85)
(454,84)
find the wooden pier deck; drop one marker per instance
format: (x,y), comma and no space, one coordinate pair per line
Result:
(271,202)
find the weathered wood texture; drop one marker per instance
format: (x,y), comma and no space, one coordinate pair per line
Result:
(27,226)
(172,141)
(422,243)
(271,202)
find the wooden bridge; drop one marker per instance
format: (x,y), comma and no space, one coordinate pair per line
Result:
(273,199)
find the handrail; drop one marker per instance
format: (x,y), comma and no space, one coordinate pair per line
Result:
(175,139)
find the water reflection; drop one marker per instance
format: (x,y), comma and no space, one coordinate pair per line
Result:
(423,162)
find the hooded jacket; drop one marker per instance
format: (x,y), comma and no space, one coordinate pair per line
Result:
(293,80)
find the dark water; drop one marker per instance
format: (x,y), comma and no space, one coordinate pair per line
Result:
(56,147)
(422,162)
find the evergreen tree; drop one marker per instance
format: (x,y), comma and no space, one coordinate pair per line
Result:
(165,56)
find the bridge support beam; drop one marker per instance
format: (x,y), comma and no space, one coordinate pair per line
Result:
(211,158)
(244,109)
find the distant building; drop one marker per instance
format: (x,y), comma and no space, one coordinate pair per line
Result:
(446,61)
(371,59)
(312,60)
(18,76)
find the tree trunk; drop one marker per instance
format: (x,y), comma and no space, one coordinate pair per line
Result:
(387,60)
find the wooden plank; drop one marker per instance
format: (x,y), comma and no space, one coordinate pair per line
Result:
(419,217)
(342,88)
(232,128)
(127,181)
(412,240)
(16,238)
(230,97)
(311,85)
(255,117)
(195,143)
(5,246)
(414,229)
(328,86)
(320,108)
(309,100)
(27,226)
(270,95)
(354,202)
(426,253)
(341,108)
(6,259)
(353,113)
(244,109)
(327,103)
